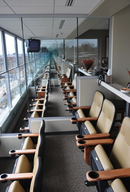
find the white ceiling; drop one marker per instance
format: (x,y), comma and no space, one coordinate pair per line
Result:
(41,18)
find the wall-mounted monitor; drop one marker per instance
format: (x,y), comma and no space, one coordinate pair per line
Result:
(33,45)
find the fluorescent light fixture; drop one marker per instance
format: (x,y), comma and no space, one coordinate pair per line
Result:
(61,24)
(69,2)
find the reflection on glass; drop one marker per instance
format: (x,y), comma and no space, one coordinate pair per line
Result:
(20,51)
(22,79)
(71,49)
(1,56)
(14,85)
(88,52)
(11,53)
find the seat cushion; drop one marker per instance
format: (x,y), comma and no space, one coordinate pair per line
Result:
(15,187)
(28,144)
(23,165)
(74,100)
(118,186)
(80,113)
(71,94)
(90,128)
(34,114)
(103,158)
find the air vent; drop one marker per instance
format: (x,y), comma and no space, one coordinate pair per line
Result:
(57,35)
(69,2)
(61,24)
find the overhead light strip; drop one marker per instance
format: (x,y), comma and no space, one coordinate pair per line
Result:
(61,24)
(69,2)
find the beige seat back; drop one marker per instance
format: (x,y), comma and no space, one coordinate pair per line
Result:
(97,104)
(68,72)
(106,117)
(35,114)
(74,80)
(23,165)
(16,187)
(36,181)
(28,143)
(120,154)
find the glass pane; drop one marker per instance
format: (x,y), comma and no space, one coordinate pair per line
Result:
(4,110)
(14,85)
(71,49)
(22,79)
(1,56)
(26,53)
(20,52)
(10,49)
(91,44)
(88,53)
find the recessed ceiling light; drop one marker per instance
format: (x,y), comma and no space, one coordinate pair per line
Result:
(57,35)
(61,24)
(69,2)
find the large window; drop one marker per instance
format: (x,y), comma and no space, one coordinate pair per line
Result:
(22,79)
(1,57)
(20,51)
(14,85)
(10,51)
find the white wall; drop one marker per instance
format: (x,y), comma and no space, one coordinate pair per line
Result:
(121,46)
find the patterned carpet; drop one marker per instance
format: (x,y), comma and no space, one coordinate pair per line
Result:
(64,166)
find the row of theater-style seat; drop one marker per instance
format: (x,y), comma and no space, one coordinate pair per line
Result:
(39,106)
(107,156)
(28,167)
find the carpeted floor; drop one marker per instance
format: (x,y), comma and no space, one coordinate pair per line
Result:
(64,166)
(55,105)
(6,166)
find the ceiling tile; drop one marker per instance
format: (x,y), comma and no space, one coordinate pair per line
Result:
(33,10)
(27,3)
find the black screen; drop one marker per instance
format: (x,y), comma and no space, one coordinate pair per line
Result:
(33,45)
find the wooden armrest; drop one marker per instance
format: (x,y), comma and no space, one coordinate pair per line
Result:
(20,135)
(93,142)
(92,136)
(41,91)
(24,129)
(30,111)
(40,99)
(64,79)
(74,120)
(39,104)
(17,176)
(108,174)
(76,107)
(70,90)
(22,151)
(88,146)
